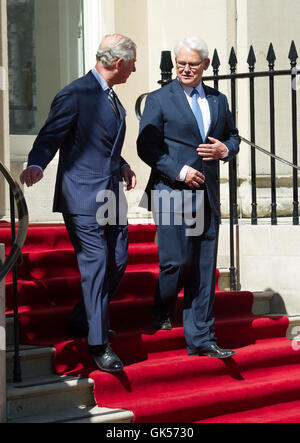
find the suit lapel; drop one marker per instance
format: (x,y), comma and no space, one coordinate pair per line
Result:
(214,109)
(104,107)
(106,113)
(181,103)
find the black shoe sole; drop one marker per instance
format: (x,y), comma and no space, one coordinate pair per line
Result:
(204,354)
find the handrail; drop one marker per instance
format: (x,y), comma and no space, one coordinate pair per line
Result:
(276,157)
(16,195)
(16,247)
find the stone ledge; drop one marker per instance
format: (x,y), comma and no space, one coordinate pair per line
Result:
(84,414)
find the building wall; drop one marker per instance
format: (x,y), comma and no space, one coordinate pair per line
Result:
(4,113)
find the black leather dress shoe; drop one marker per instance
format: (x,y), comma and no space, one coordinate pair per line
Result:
(105,358)
(216,352)
(164,325)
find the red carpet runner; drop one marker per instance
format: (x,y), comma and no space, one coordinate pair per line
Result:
(161,383)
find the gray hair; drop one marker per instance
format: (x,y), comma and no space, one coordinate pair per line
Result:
(120,47)
(195,43)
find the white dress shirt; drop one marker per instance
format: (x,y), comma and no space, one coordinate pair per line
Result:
(204,106)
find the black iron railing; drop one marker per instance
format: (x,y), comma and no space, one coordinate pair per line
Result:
(17,241)
(252,75)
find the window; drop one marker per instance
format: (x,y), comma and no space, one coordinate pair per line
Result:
(45,52)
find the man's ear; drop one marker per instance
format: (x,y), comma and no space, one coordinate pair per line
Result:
(206,64)
(119,63)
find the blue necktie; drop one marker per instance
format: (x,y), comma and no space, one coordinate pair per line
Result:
(112,99)
(197,112)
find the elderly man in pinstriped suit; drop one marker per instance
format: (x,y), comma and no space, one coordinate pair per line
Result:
(86,124)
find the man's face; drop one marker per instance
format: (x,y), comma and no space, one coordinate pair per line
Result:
(190,66)
(125,69)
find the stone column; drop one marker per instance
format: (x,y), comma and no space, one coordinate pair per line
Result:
(4,109)
(2,346)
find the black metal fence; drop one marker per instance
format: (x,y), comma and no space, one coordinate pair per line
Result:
(252,75)
(292,72)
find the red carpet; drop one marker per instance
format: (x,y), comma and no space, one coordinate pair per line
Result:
(161,383)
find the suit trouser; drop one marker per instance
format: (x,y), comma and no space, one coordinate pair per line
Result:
(189,262)
(102,255)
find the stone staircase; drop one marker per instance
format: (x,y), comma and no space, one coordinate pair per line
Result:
(44,397)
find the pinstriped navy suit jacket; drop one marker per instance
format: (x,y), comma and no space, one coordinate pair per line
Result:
(82,126)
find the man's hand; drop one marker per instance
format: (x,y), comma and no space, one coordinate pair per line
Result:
(31,176)
(194,178)
(129,177)
(214,151)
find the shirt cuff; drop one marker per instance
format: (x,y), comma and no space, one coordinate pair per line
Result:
(227,153)
(182,174)
(35,166)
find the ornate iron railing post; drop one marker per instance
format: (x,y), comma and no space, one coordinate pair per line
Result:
(233,178)
(271,60)
(215,65)
(251,62)
(293,56)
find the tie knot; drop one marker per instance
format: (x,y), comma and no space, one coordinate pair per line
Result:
(194,92)
(110,92)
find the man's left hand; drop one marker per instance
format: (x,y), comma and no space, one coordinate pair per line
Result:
(213,151)
(129,177)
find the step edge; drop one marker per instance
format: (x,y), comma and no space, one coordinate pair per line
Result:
(38,386)
(92,414)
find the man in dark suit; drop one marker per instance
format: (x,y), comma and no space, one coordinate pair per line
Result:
(186,128)
(87,125)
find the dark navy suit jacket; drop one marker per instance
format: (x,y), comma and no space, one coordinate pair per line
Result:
(169,136)
(82,126)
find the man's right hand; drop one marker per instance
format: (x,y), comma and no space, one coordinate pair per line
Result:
(31,176)
(194,178)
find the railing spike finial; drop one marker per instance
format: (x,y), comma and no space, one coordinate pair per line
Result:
(251,59)
(293,54)
(271,57)
(233,60)
(216,61)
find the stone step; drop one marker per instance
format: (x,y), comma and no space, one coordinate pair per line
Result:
(42,397)
(36,361)
(82,414)
(262,302)
(39,396)
(293,331)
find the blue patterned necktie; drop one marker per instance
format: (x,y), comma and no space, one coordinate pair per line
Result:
(112,99)
(197,112)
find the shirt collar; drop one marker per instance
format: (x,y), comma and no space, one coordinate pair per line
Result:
(100,79)
(199,88)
